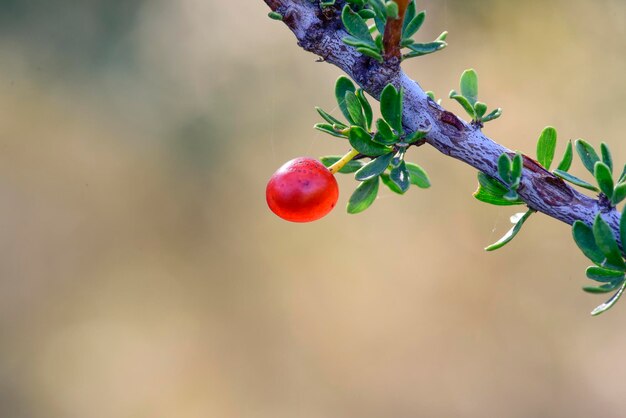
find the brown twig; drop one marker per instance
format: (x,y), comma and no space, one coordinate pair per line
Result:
(393,33)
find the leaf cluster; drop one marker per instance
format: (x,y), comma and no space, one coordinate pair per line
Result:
(365,22)
(468,99)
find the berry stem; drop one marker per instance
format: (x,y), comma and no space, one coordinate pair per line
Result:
(344,160)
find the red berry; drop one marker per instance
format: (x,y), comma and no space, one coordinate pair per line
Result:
(302,190)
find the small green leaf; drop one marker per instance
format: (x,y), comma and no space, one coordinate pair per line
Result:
(418,176)
(384,134)
(363,196)
(367,108)
(575,180)
(392,9)
(409,14)
(358,42)
(605,240)
(619,194)
(329,129)
(400,176)
(361,141)
(609,303)
(367,13)
(342,86)
(587,155)
(508,237)
(480,109)
(493,115)
(351,167)
(469,86)
(374,168)
(275,16)
(604,179)
(603,275)
(355,109)
(416,136)
(391,107)
(464,103)
(371,53)
(605,288)
(546,146)
(584,238)
(622,227)
(568,157)
(414,25)
(418,49)
(622,178)
(355,25)
(504,168)
(606,156)
(516,170)
(328,118)
(492,191)
(511,196)
(390,184)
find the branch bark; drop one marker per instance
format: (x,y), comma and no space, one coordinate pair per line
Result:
(321,34)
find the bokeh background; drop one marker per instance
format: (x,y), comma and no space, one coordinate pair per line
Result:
(141,274)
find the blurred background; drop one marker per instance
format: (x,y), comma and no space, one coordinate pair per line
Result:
(142,275)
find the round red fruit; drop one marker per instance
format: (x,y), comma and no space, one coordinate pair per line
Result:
(302,190)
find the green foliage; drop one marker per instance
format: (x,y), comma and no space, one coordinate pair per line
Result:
(546,147)
(468,99)
(363,196)
(275,16)
(492,191)
(518,221)
(599,245)
(368,40)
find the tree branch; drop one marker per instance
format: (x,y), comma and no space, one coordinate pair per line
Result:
(321,34)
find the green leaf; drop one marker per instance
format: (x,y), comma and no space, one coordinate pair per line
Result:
(363,196)
(492,191)
(622,178)
(400,176)
(584,238)
(606,156)
(409,14)
(511,195)
(355,25)
(414,25)
(480,109)
(516,170)
(568,157)
(358,42)
(390,184)
(367,13)
(418,50)
(609,303)
(367,108)
(371,53)
(329,129)
(606,242)
(575,180)
(504,168)
(546,146)
(416,136)
(391,107)
(384,134)
(351,167)
(361,141)
(275,16)
(604,178)
(619,194)
(374,168)
(469,86)
(355,110)
(605,288)
(587,155)
(464,103)
(508,237)
(493,115)
(392,9)
(418,176)
(342,86)
(603,275)
(329,118)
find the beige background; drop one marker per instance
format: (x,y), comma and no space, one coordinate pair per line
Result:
(141,274)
